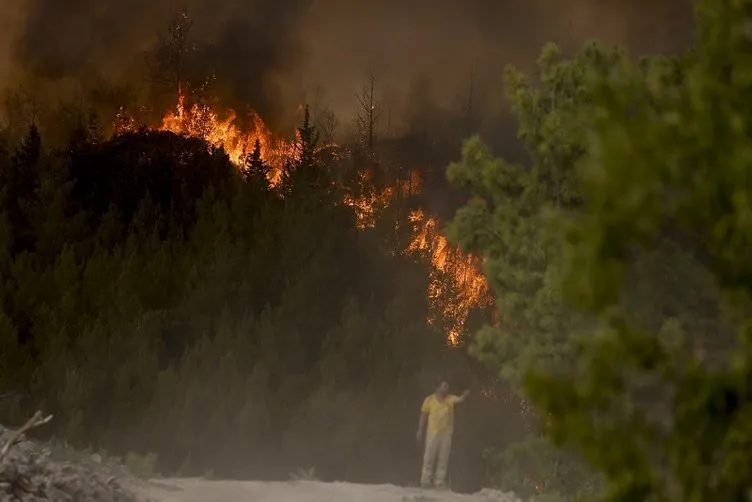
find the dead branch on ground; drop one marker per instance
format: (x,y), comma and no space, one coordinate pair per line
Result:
(35,421)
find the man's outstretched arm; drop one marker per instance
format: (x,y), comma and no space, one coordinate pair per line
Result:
(461,398)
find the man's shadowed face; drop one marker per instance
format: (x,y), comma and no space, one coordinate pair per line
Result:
(443,388)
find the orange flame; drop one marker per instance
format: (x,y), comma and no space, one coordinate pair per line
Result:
(369,201)
(200,121)
(455,284)
(124,122)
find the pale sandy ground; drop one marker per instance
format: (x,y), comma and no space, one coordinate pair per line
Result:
(202,490)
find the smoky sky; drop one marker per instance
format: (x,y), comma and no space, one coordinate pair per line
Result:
(270,54)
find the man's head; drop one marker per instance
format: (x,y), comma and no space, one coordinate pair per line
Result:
(442,387)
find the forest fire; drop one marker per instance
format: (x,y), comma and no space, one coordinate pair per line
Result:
(370,201)
(201,121)
(366,205)
(455,284)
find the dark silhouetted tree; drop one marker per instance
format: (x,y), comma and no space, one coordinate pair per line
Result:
(20,181)
(254,167)
(367,117)
(170,60)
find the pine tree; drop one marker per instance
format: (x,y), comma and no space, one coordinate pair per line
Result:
(170,62)
(665,164)
(21,181)
(95,133)
(254,166)
(78,141)
(303,173)
(27,155)
(308,139)
(521,260)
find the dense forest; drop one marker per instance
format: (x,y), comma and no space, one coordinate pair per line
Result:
(180,281)
(158,298)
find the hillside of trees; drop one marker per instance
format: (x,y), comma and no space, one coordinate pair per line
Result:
(161,295)
(157,297)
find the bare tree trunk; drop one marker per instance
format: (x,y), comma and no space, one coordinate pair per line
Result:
(368,115)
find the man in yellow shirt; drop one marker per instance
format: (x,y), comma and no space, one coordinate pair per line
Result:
(438,413)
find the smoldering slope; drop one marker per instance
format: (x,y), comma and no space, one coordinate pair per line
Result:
(272,54)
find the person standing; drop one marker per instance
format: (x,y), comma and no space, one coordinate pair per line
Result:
(437,413)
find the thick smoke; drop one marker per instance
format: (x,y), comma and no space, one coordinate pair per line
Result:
(447,41)
(271,53)
(251,40)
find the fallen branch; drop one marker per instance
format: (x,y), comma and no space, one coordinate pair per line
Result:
(35,421)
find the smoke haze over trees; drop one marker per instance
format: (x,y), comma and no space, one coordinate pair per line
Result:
(254,292)
(158,300)
(271,53)
(227,306)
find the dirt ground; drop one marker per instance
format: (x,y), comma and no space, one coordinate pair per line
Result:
(202,490)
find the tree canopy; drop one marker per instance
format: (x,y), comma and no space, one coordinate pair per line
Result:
(620,256)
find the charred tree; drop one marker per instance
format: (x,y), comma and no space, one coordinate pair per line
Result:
(322,117)
(367,118)
(169,62)
(326,124)
(308,139)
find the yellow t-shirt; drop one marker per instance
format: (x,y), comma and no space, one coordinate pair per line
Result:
(440,414)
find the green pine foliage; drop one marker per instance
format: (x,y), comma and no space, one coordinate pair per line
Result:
(619,259)
(506,221)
